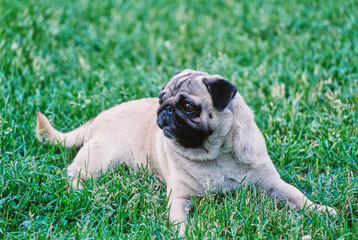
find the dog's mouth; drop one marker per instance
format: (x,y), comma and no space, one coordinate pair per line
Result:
(167,133)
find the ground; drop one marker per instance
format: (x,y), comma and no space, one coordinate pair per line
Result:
(294,62)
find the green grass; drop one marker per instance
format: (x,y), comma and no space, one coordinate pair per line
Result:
(295,63)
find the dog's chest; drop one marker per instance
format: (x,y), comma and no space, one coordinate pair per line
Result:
(224,174)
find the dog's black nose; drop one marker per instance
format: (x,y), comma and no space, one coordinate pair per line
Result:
(168,110)
(165,116)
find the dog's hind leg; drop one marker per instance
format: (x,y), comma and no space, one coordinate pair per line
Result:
(90,160)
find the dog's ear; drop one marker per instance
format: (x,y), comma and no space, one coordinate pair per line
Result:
(221,92)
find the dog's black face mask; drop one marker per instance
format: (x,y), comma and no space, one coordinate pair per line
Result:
(178,120)
(179,115)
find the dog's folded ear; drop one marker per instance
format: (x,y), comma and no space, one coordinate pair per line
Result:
(221,91)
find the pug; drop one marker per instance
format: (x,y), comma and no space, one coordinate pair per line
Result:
(199,137)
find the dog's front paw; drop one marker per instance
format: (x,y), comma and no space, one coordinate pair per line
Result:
(324,209)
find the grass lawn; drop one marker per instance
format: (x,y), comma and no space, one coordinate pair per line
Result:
(294,62)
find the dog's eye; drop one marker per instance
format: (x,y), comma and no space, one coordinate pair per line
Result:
(188,107)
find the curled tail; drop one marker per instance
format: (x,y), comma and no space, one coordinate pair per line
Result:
(46,133)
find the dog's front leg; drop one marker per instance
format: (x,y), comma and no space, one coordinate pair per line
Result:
(179,212)
(279,189)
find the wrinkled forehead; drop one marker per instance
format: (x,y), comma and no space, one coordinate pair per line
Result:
(188,81)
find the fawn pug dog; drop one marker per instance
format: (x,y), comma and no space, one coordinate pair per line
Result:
(201,136)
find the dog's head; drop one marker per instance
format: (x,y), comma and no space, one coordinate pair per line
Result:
(193,106)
